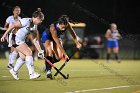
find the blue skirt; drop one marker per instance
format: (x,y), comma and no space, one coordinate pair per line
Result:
(112,44)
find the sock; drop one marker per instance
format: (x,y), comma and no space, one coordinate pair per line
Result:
(29,64)
(10,54)
(48,66)
(13,57)
(108,56)
(18,64)
(116,56)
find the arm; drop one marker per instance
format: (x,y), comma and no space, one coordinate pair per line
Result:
(34,38)
(55,37)
(107,34)
(37,45)
(73,34)
(6,25)
(15,25)
(119,36)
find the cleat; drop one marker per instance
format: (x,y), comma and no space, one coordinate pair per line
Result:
(49,74)
(14,74)
(34,75)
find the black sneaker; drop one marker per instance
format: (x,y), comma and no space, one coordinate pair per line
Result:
(49,74)
(10,66)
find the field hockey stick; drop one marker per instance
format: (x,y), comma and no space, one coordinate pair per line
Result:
(65,77)
(66,62)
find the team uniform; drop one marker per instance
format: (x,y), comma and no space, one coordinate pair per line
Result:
(20,36)
(112,42)
(46,35)
(19,39)
(12,56)
(10,20)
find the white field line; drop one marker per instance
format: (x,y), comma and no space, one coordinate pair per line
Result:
(96,89)
(85,70)
(5,76)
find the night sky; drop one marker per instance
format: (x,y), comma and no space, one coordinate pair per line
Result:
(123,12)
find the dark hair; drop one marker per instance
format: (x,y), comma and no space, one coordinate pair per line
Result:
(38,13)
(15,7)
(63,19)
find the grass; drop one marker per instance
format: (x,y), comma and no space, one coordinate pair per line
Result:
(95,76)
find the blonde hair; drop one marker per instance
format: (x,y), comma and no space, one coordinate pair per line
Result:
(113,25)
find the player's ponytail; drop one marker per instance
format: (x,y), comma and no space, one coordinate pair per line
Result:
(39,9)
(38,13)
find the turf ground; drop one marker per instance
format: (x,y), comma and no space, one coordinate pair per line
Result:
(86,76)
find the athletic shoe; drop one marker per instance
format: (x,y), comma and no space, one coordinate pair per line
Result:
(14,74)
(10,66)
(49,74)
(34,75)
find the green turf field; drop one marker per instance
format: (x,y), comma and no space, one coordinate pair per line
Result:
(86,76)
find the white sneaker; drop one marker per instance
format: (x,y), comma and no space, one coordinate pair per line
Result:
(14,74)
(48,72)
(34,75)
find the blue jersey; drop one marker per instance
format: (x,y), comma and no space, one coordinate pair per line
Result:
(46,35)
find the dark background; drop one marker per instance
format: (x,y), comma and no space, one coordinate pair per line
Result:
(123,12)
(97,14)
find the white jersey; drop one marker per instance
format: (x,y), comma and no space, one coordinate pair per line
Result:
(24,30)
(114,35)
(10,20)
